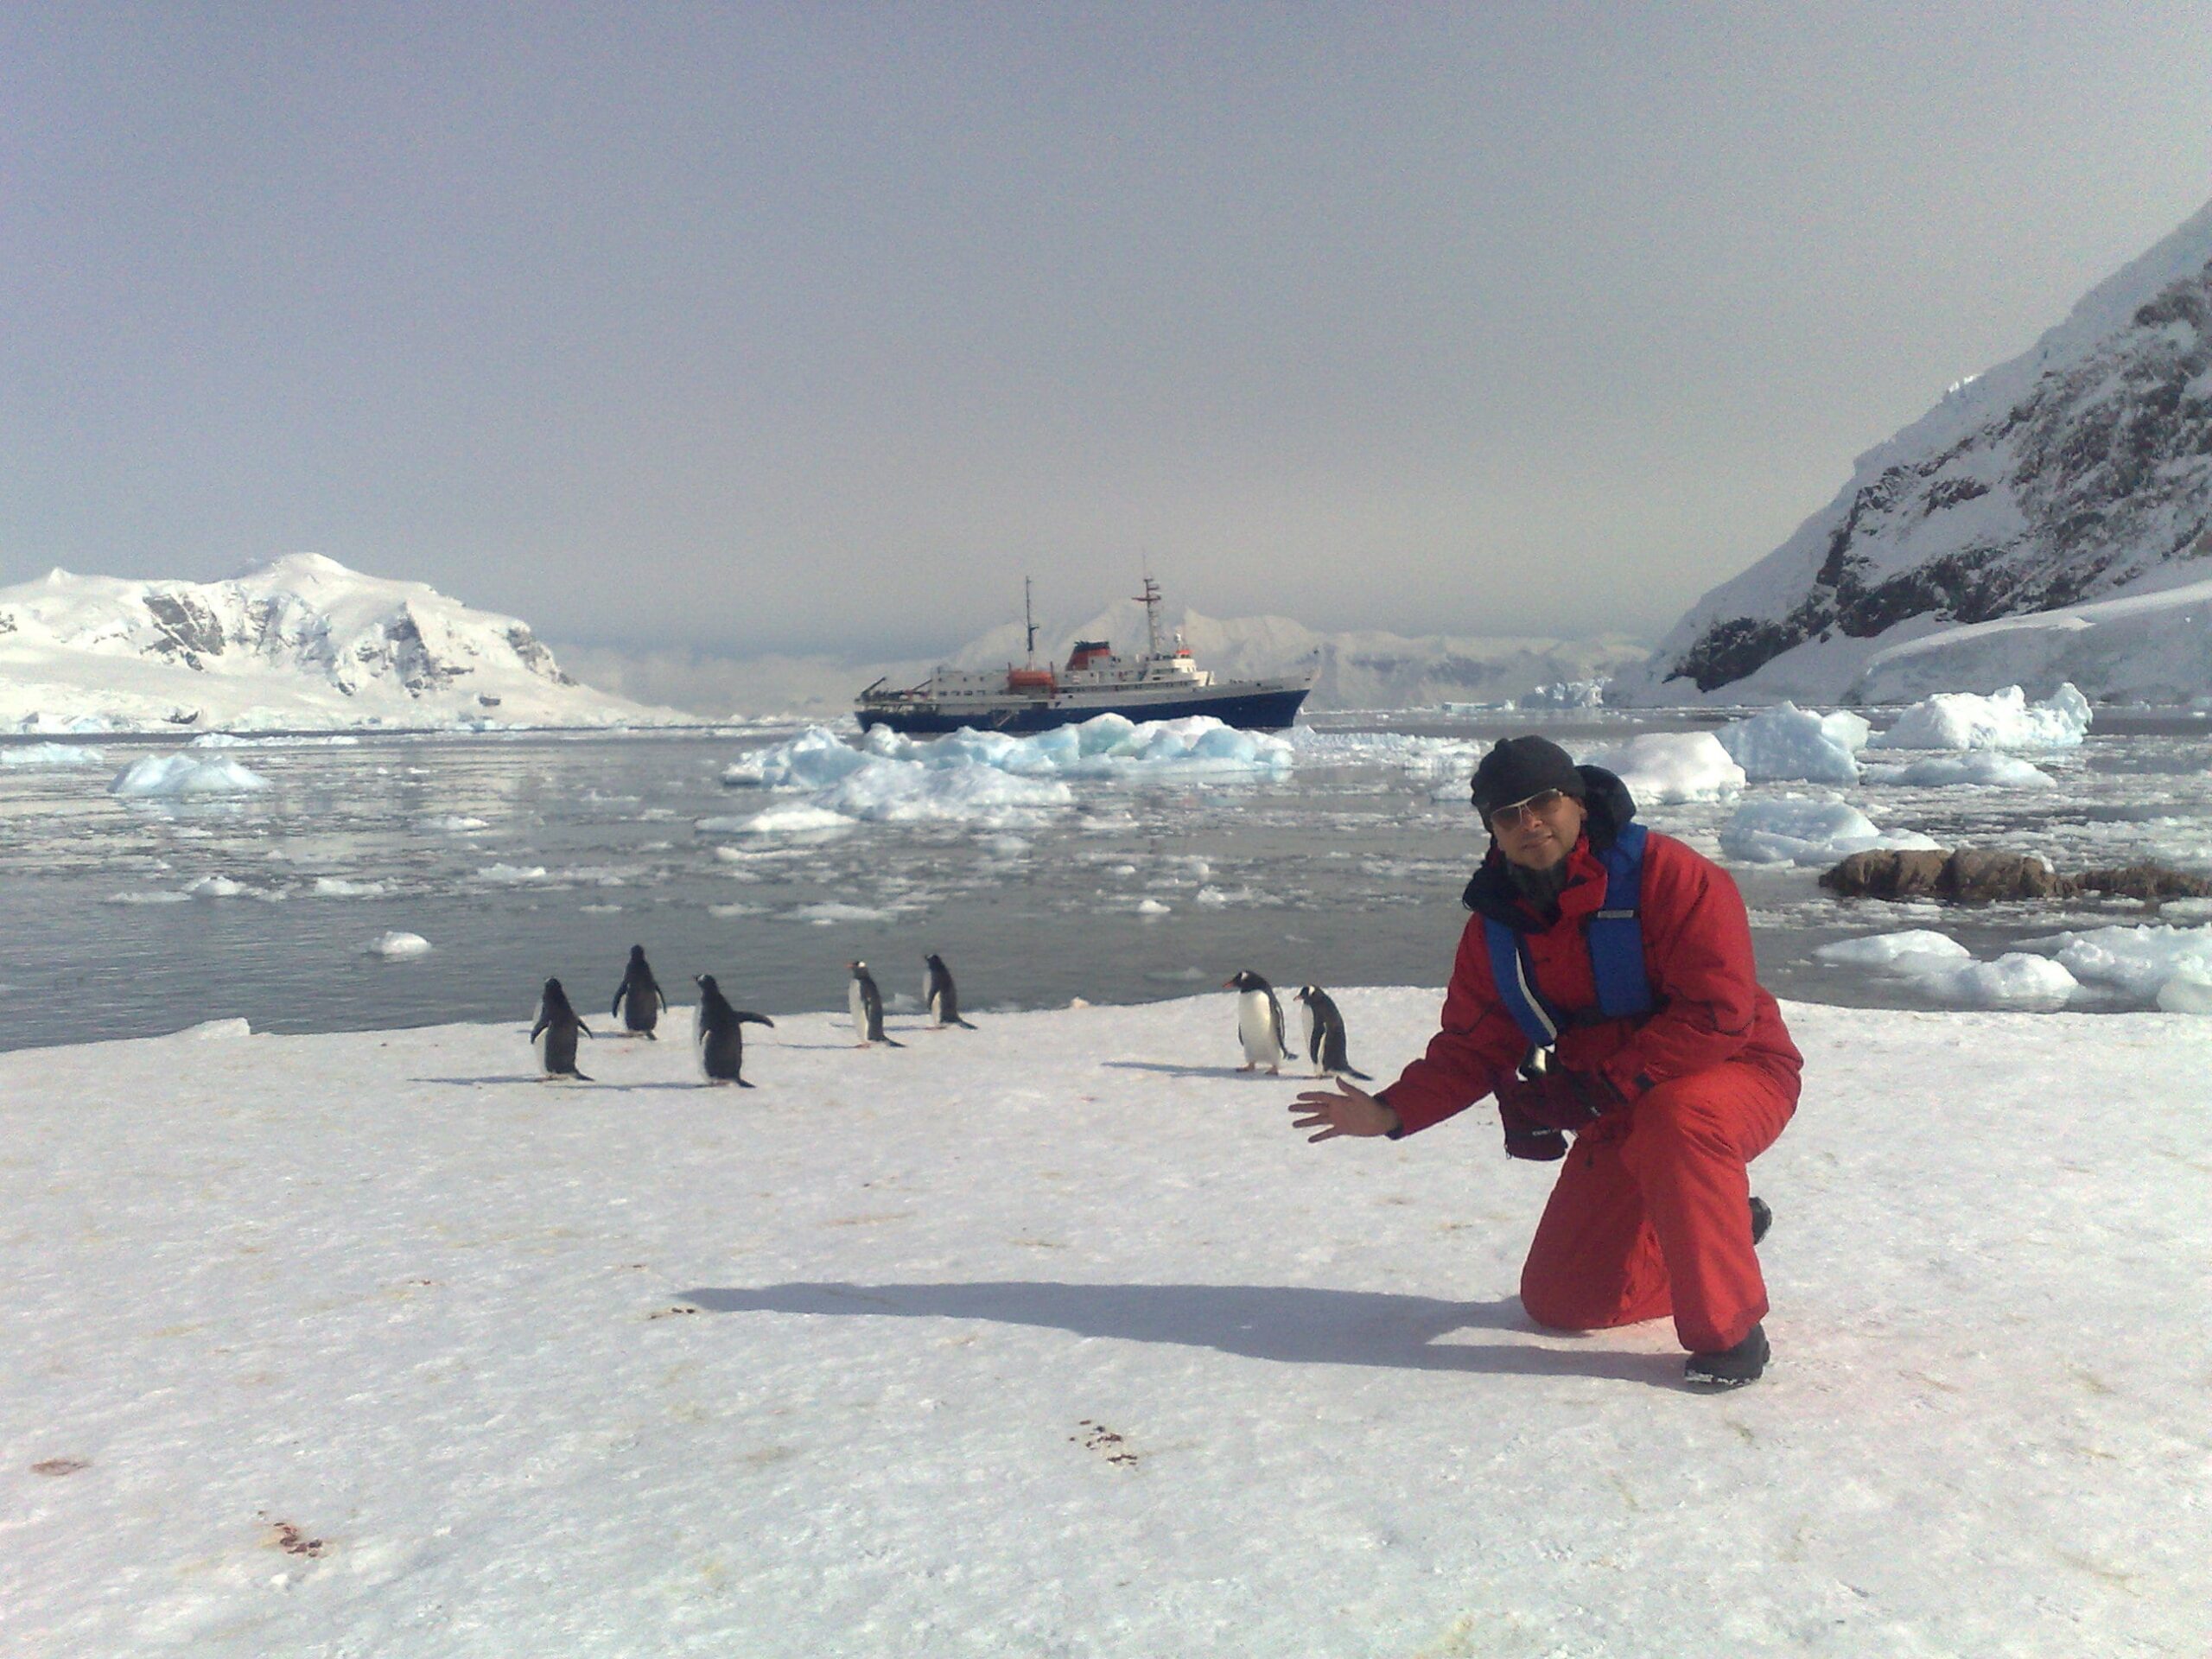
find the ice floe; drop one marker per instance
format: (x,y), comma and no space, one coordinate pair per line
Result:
(1668,768)
(990,778)
(1983,767)
(1786,743)
(49,754)
(395,945)
(1945,971)
(1964,719)
(1788,832)
(2138,961)
(172,775)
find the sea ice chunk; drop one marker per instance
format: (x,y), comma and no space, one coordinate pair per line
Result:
(1963,720)
(1663,768)
(396,945)
(1806,832)
(168,775)
(1785,742)
(49,754)
(1909,951)
(1982,767)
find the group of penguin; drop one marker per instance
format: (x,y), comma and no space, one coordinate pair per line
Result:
(719,1033)
(1259,1027)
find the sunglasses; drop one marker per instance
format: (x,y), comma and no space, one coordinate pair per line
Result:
(1538,805)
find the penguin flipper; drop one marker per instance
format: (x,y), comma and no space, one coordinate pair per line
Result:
(538,1030)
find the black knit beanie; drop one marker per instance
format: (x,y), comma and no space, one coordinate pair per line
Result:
(1519,767)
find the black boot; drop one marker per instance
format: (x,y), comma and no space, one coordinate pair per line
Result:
(1761,1218)
(1730,1367)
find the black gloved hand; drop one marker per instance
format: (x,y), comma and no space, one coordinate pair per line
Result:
(1557,1098)
(1525,1138)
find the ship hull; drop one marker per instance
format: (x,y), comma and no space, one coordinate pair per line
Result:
(1251,710)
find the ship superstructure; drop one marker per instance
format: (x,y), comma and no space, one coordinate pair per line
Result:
(1160,684)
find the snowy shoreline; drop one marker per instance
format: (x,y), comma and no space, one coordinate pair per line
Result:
(1054,1337)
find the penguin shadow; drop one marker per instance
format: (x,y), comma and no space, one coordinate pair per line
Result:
(1286,1325)
(1172,1071)
(534,1079)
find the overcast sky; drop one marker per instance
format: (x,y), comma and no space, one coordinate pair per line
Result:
(753,327)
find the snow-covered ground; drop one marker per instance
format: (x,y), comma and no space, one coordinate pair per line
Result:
(1054,1338)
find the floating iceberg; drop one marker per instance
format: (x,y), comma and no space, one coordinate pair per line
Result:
(2139,962)
(168,775)
(1916,948)
(49,754)
(986,778)
(1785,743)
(1982,767)
(1663,768)
(396,944)
(1963,720)
(1946,971)
(1806,832)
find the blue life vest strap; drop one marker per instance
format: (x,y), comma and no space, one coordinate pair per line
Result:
(1616,939)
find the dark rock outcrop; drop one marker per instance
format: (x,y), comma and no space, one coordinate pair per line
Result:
(2068,474)
(1984,875)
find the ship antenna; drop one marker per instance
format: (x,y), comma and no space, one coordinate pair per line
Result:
(1150,601)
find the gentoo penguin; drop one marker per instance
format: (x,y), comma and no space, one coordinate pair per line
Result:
(942,1001)
(1258,1022)
(555,1034)
(721,1035)
(642,992)
(867,1004)
(1324,1035)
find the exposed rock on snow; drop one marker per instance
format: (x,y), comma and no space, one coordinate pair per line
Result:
(302,642)
(2081,471)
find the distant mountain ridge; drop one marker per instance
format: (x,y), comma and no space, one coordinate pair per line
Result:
(299,642)
(2080,471)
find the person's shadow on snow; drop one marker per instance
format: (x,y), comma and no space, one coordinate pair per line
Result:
(1291,1326)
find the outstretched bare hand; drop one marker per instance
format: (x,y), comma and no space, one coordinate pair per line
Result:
(1346,1111)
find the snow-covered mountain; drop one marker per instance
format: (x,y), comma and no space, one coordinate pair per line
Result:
(2079,471)
(1358,669)
(302,642)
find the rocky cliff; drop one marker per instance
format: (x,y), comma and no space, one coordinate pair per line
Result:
(2079,471)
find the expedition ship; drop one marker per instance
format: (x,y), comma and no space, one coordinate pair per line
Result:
(1159,685)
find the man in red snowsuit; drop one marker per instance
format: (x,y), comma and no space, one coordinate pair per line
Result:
(1652,1213)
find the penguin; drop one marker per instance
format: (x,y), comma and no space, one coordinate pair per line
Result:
(867,1004)
(721,1035)
(1324,1035)
(555,1034)
(642,992)
(1258,1022)
(943,1001)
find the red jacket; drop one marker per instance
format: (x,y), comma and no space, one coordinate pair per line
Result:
(1707,1004)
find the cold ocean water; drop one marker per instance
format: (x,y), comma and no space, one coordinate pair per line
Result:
(520,857)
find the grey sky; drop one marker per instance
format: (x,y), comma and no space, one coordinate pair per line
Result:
(815,327)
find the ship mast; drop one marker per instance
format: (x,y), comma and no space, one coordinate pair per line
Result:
(1150,600)
(1030,620)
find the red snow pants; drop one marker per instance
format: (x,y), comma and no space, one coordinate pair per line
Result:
(1651,1214)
